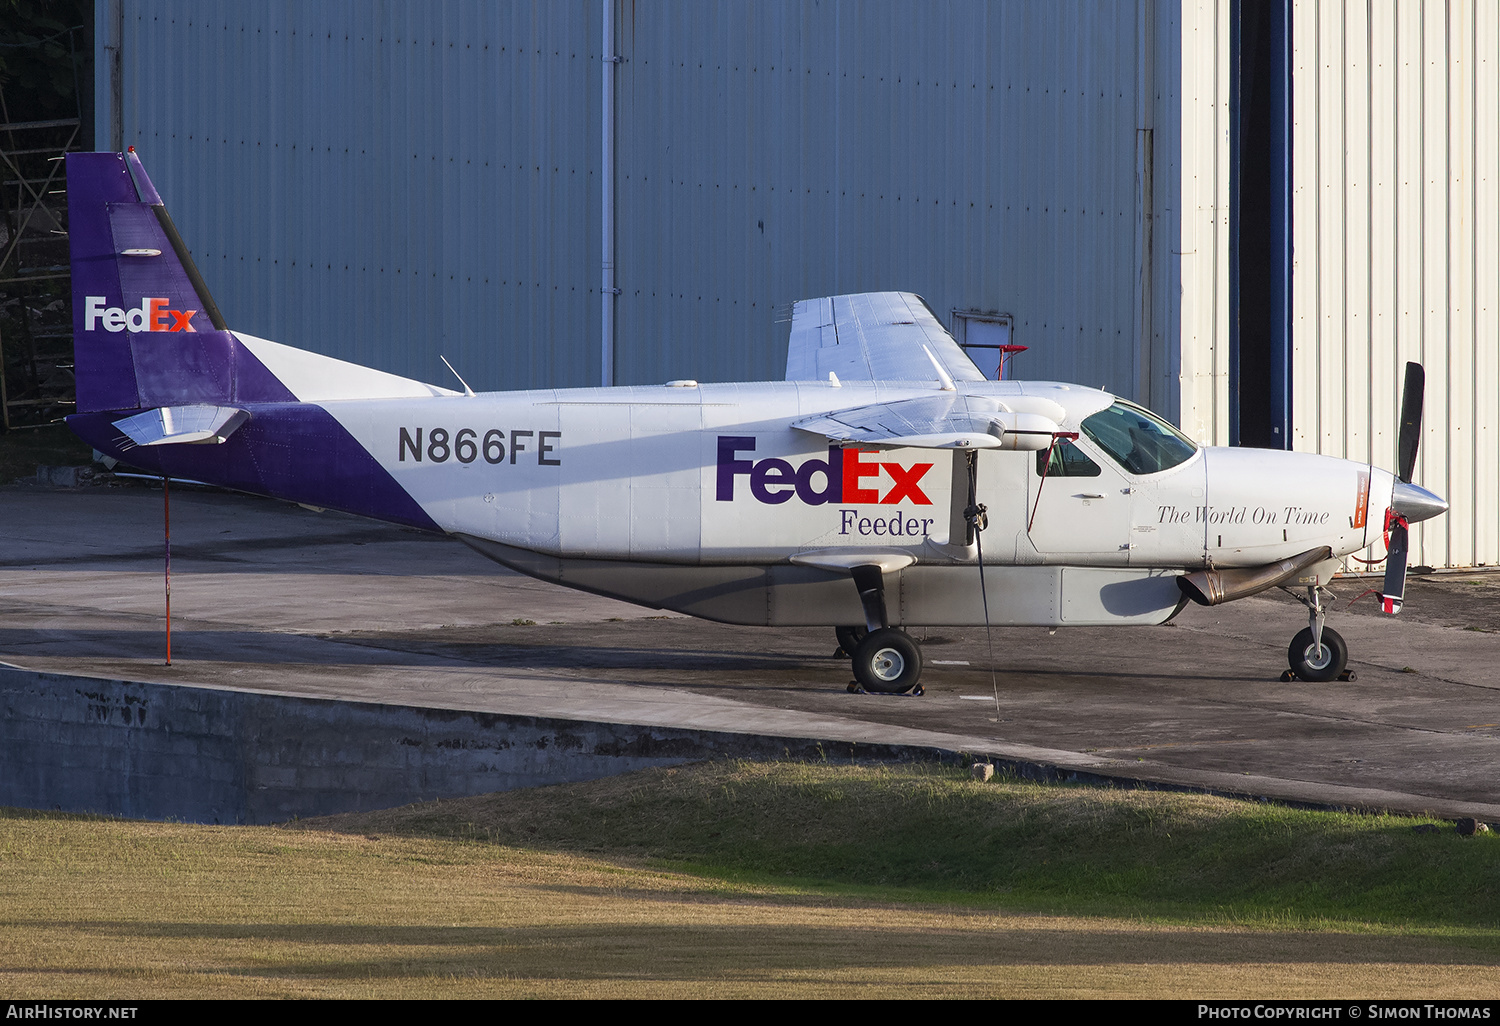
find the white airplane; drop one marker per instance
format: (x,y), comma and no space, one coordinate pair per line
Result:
(884,484)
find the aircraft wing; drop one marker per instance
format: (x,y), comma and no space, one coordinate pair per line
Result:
(872,336)
(947,421)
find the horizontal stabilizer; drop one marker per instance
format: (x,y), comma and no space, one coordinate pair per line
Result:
(948,421)
(199,423)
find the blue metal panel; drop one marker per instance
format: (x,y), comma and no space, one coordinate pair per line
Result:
(385,182)
(981,154)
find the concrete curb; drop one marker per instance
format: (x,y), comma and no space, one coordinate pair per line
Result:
(220,755)
(216,755)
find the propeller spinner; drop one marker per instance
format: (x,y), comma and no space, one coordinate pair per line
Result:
(1409,503)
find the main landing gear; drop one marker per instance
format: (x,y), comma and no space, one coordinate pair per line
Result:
(1317,653)
(887,662)
(886,659)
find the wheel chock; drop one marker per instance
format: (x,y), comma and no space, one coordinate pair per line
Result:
(1348,676)
(916,692)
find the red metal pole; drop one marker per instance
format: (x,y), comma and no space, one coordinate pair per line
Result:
(166,520)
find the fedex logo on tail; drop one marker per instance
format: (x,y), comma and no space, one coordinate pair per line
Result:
(846,477)
(151,315)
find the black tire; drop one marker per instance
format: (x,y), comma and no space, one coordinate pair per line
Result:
(888,661)
(1304,660)
(849,638)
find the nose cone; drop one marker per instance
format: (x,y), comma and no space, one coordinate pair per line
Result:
(1416,503)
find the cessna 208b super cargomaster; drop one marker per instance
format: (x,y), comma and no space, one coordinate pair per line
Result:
(884,484)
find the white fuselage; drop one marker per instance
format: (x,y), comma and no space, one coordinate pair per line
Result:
(618,489)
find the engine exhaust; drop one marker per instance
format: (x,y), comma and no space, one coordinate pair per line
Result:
(1211,587)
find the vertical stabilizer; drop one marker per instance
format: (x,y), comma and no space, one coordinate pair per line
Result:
(146,331)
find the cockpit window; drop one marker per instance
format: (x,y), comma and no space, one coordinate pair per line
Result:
(1138,439)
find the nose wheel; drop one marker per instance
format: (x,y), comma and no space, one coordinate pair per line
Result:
(1314,662)
(1317,653)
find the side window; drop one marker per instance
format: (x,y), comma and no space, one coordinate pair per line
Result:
(1067,461)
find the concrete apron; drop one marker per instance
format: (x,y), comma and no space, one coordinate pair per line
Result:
(326,663)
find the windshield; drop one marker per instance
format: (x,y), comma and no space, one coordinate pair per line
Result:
(1138,439)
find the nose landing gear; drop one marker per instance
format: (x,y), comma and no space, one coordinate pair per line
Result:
(1311,662)
(1317,653)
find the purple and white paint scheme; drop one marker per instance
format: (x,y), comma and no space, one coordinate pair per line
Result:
(858,492)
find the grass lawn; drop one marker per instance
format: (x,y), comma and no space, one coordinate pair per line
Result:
(739,879)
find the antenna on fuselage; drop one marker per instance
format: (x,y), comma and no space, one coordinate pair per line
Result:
(467,390)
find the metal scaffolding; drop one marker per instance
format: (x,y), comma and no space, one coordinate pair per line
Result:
(36,306)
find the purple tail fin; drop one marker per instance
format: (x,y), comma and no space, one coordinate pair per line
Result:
(146,332)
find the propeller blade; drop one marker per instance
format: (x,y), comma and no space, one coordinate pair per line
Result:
(1411,421)
(1394,588)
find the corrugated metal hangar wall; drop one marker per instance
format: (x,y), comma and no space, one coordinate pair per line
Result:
(983,155)
(382,182)
(1397,232)
(387,182)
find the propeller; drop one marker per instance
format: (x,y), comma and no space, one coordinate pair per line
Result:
(1399,515)
(1411,420)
